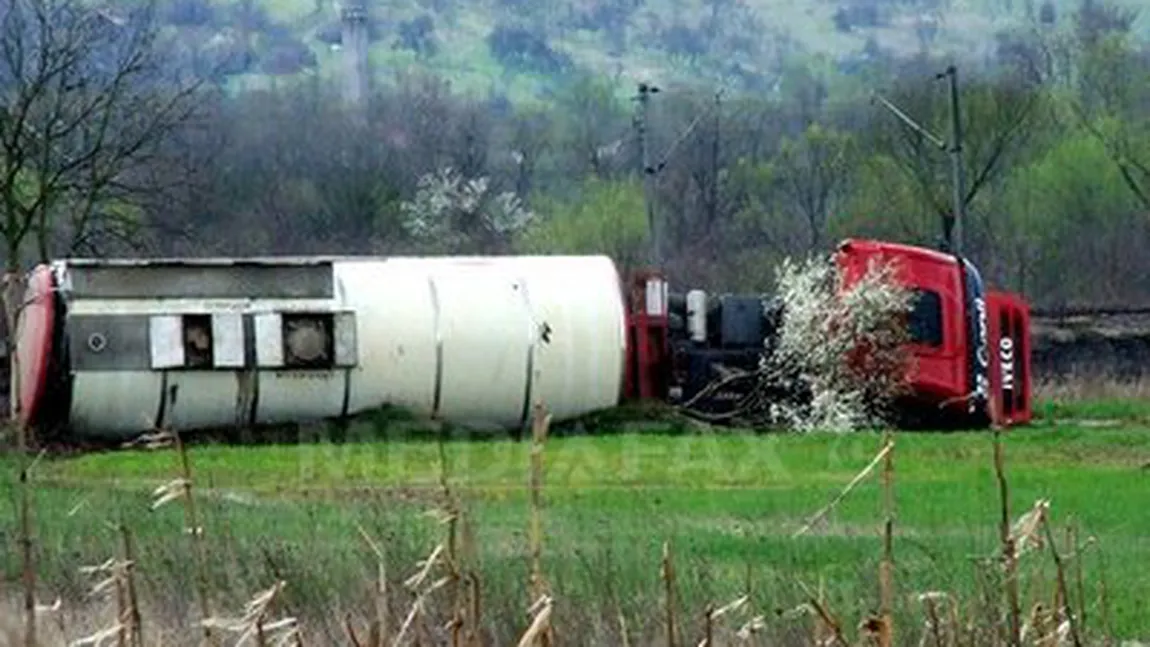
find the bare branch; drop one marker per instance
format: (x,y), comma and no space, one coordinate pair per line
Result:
(85,121)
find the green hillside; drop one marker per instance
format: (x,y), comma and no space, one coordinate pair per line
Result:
(522,48)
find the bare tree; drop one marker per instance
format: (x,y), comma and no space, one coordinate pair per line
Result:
(86,107)
(996,117)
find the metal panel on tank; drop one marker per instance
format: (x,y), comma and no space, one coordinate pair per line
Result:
(395,338)
(199,278)
(578,308)
(115,404)
(200,400)
(287,396)
(484,331)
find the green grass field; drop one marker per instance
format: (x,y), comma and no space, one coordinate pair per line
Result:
(727,502)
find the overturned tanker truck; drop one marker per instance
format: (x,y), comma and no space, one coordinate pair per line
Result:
(108,349)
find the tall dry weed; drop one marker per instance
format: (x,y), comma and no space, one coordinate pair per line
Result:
(1092,388)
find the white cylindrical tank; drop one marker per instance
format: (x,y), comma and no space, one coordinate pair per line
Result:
(697,315)
(479,340)
(473,341)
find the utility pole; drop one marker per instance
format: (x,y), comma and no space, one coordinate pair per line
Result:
(951,225)
(648,170)
(355,59)
(713,192)
(651,169)
(959,171)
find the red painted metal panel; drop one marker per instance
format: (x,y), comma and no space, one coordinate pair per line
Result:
(648,343)
(34,333)
(938,373)
(1010,376)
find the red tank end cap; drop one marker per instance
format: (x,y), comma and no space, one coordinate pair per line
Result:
(34,341)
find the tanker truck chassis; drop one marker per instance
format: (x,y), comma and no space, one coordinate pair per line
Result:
(108,349)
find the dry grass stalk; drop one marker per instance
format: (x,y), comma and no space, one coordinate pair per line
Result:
(253,626)
(540,426)
(941,632)
(349,629)
(827,630)
(135,618)
(888,447)
(1006,539)
(1078,388)
(414,584)
(712,614)
(380,626)
(1025,534)
(1065,608)
(115,574)
(1104,607)
(624,636)
(540,622)
(98,639)
(753,626)
(475,606)
(885,629)
(1076,555)
(668,572)
(181,488)
(464,584)
(27,544)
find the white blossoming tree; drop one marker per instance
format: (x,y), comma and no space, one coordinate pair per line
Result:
(839,357)
(451,214)
(841,351)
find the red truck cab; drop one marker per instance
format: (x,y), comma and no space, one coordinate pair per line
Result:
(971,347)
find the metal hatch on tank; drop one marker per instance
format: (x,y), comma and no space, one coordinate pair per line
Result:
(204,343)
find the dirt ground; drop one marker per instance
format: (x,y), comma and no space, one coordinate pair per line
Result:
(1112,346)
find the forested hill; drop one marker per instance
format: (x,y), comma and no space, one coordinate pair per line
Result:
(508,126)
(525,48)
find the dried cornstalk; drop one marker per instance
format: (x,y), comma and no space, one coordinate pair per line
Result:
(97,639)
(253,626)
(540,425)
(1026,532)
(887,448)
(540,622)
(623,634)
(181,488)
(381,625)
(116,580)
(27,546)
(943,634)
(750,628)
(414,584)
(828,631)
(416,610)
(135,618)
(885,630)
(714,614)
(1006,539)
(1066,609)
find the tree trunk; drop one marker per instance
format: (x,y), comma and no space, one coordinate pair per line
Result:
(13,295)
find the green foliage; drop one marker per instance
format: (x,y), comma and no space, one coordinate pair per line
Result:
(728,503)
(1070,199)
(883,205)
(605,217)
